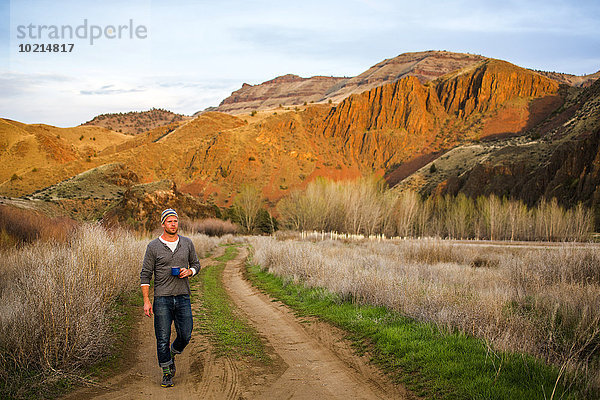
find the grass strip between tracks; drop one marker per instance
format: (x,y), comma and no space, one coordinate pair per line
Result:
(429,362)
(230,334)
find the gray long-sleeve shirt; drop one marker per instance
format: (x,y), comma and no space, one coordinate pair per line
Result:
(158,261)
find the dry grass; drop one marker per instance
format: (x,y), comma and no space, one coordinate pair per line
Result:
(545,302)
(56,303)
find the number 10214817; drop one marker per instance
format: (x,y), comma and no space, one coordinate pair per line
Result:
(46,47)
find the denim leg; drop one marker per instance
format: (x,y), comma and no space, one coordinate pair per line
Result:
(184,323)
(163,317)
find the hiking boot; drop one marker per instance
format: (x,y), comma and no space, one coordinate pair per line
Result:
(167,380)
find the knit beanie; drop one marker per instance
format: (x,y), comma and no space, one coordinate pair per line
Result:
(167,213)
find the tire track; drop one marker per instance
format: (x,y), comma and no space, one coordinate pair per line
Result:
(313,370)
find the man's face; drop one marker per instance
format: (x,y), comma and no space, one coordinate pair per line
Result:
(170,225)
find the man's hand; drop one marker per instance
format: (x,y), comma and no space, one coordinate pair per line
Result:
(185,272)
(146,296)
(148,308)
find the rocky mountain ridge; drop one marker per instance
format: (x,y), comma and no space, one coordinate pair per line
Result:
(572,80)
(286,90)
(292,90)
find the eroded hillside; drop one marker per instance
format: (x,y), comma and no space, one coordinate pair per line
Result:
(559,157)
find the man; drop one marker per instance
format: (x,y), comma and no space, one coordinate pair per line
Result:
(164,255)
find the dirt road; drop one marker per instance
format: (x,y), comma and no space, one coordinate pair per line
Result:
(311,360)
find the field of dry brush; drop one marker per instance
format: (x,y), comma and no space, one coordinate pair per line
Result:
(541,300)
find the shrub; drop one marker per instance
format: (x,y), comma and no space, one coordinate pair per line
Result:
(211,227)
(55,304)
(21,226)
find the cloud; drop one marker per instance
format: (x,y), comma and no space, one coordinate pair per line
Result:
(167,82)
(17,84)
(106,91)
(60,100)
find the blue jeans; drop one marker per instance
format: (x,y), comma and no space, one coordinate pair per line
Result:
(169,309)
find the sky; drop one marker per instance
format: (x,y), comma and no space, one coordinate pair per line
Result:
(185,55)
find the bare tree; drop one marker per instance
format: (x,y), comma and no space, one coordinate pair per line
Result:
(291,211)
(246,205)
(407,209)
(459,216)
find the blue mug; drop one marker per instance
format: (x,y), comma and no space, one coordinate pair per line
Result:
(175,271)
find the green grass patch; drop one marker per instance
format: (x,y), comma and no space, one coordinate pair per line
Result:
(433,364)
(230,334)
(127,309)
(230,253)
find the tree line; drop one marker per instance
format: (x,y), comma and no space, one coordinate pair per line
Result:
(366,206)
